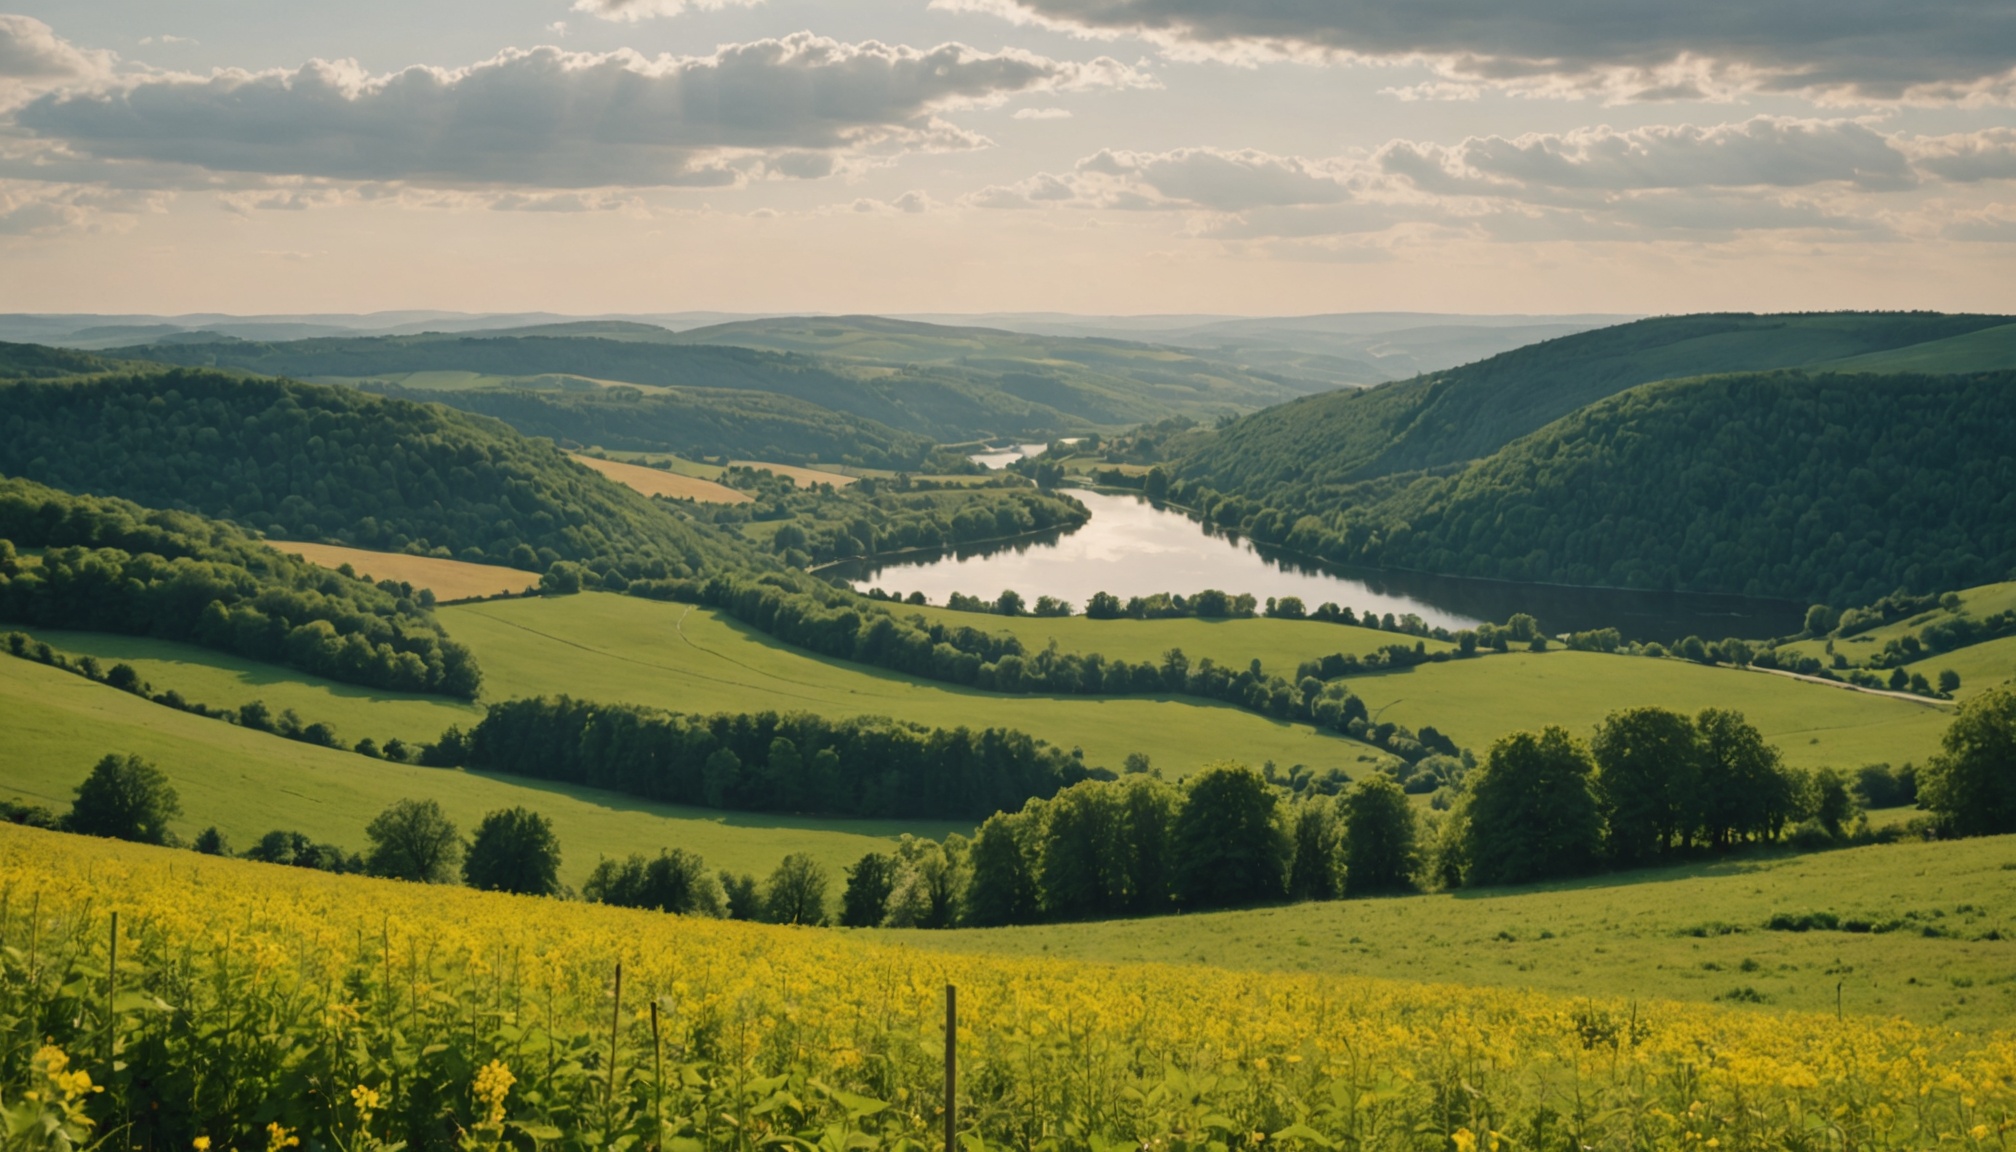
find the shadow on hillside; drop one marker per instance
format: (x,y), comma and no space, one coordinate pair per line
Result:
(1739,865)
(607,801)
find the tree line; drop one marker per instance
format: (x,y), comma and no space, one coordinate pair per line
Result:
(110,566)
(763,761)
(822,524)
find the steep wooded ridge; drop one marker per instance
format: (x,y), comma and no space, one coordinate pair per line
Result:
(315,462)
(1297,457)
(946,401)
(1831,486)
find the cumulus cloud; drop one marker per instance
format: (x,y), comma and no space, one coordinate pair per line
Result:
(1763,152)
(33,59)
(548,118)
(1042,114)
(1880,50)
(1967,157)
(37,208)
(633,10)
(1765,174)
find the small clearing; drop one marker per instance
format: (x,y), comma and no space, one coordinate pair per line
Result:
(658,482)
(450,579)
(804,477)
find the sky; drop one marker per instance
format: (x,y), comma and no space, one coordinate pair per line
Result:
(1097,156)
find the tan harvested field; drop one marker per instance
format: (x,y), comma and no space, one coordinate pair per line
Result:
(450,579)
(657,482)
(797,475)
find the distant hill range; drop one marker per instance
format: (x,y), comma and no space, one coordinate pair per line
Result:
(1569,460)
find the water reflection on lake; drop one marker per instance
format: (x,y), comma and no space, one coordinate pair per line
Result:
(1133,548)
(1002,457)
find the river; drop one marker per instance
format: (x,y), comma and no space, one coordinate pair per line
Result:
(1132,547)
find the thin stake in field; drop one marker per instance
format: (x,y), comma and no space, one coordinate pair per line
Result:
(951,1066)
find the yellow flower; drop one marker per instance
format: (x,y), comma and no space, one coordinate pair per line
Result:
(278,1138)
(366,1099)
(1464,1139)
(493,1084)
(200,1144)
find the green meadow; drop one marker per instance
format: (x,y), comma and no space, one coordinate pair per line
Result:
(1816,725)
(609,648)
(248,783)
(1697,932)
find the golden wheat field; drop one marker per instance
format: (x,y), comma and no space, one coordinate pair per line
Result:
(257,1005)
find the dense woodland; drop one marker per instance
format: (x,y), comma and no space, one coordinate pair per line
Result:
(313,462)
(110,566)
(1823,487)
(695,423)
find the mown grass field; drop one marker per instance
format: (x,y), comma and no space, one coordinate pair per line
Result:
(248,783)
(663,482)
(1630,935)
(449,579)
(1981,666)
(1279,645)
(1816,725)
(599,646)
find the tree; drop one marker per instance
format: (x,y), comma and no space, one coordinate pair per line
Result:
(1648,759)
(514,851)
(796,891)
(1820,620)
(720,776)
(1743,790)
(743,900)
(677,881)
(1379,832)
(414,840)
(1315,873)
(1949,681)
(211,842)
(866,899)
(1080,849)
(1533,810)
(124,798)
(1833,805)
(1148,808)
(1971,784)
(1228,850)
(1002,887)
(1010,603)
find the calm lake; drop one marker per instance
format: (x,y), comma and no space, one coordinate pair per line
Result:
(1133,548)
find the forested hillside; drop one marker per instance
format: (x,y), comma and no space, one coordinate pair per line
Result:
(1296,456)
(947,402)
(112,566)
(36,362)
(1832,487)
(692,422)
(313,462)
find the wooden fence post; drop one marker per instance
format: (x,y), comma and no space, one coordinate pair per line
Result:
(951,1068)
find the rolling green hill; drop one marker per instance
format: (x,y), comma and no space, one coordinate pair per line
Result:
(1299,455)
(1983,350)
(248,783)
(315,462)
(927,393)
(1836,488)
(694,422)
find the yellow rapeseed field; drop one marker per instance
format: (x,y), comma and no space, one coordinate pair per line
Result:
(261,1008)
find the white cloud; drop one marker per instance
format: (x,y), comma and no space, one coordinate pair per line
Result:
(634,10)
(1875,50)
(34,59)
(1967,157)
(164,39)
(548,118)
(37,208)
(1042,114)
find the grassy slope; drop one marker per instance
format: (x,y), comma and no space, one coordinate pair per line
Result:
(1980,666)
(58,725)
(1623,935)
(1280,645)
(1475,701)
(613,648)
(1984,351)
(659,482)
